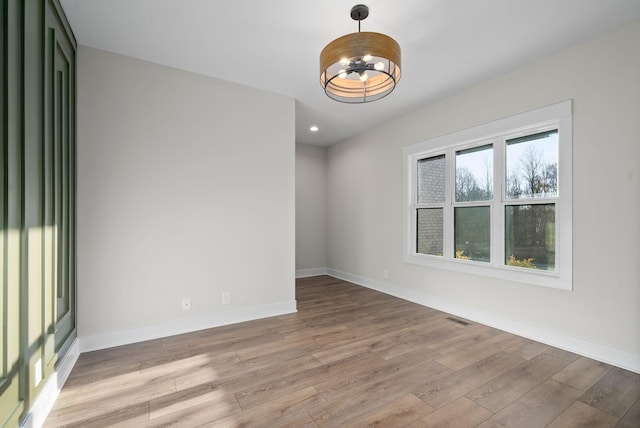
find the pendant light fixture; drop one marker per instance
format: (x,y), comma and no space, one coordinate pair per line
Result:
(360,67)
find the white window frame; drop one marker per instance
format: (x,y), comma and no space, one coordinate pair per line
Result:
(556,116)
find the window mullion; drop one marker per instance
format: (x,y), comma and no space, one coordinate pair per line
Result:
(411,204)
(448,205)
(497,210)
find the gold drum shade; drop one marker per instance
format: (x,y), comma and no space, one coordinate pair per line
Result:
(344,60)
(360,67)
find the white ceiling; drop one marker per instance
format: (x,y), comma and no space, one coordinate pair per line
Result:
(447,45)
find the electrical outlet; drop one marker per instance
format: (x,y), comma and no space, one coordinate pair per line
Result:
(385,274)
(186,304)
(226,298)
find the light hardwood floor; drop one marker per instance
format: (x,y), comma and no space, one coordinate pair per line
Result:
(350,357)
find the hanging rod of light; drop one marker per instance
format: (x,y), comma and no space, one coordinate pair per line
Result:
(360,67)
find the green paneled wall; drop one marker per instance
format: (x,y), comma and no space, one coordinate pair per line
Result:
(37,189)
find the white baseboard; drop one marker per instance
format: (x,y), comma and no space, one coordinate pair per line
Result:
(305,273)
(597,351)
(184,325)
(47,397)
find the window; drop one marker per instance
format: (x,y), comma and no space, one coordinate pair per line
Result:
(431,199)
(494,200)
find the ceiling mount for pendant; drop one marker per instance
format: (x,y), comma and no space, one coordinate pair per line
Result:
(360,67)
(359,12)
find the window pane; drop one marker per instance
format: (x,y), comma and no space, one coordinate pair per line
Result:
(530,236)
(430,231)
(474,174)
(471,231)
(532,166)
(431,180)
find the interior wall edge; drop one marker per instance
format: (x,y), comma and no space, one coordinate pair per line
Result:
(306,273)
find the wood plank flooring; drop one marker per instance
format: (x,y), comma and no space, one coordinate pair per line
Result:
(350,357)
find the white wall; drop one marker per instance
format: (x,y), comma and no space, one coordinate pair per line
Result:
(186,188)
(311,207)
(365,188)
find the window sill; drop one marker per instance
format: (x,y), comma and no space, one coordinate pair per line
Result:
(522,275)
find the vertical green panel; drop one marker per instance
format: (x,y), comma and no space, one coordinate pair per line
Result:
(33,263)
(64,162)
(3,192)
(60,95)
(11,403)
(71,242)
(48,246)
(57,156)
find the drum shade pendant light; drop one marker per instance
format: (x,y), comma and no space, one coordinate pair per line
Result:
(360,67)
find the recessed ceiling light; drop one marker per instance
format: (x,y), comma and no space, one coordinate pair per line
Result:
(313,128)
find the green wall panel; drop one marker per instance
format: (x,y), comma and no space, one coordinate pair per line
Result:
(37,189)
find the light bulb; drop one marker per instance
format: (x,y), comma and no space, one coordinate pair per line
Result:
(342,74)
(379,66)
(344,62)
(363,77)
(367,58)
